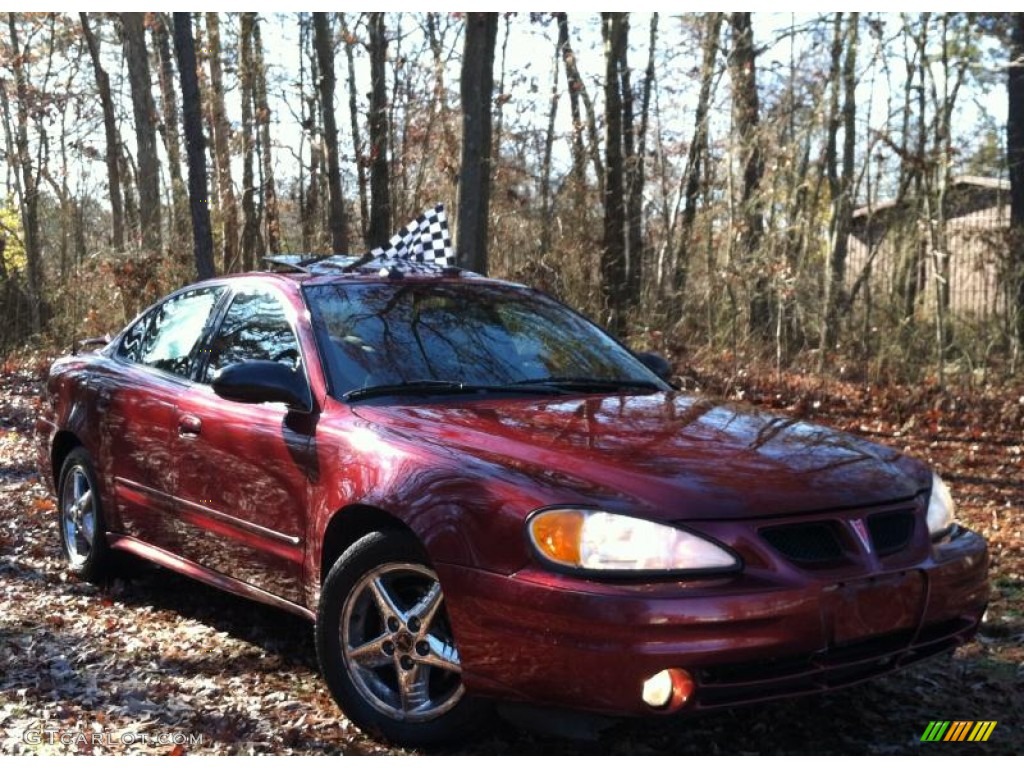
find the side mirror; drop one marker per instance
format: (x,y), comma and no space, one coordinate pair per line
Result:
(661,367)
(262,381)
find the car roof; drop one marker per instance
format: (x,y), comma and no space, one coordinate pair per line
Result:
(337,276)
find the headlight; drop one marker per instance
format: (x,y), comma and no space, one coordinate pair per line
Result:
(940,508)
(589,539)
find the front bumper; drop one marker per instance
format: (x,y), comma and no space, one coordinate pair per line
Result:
(558,640)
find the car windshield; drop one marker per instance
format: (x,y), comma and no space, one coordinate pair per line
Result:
(446,336)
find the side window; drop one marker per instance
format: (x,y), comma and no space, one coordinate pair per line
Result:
(168,336)
(254,328)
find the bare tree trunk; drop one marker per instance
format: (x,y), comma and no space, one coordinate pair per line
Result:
(578,90)
(696,157)
(324,45)
(309,194)
(911,154)
(502,97)
(271,214)
(357,142)
(477,89)
(441,95)
(195,145)
(545,170)
(29,182)
(380,185)
(250,221)
(614,31)
(844,78)
(222,148)
(746,119)
(110,130)
(169,129)
(1015,161)
(635,143)
(148,180)
(569,58)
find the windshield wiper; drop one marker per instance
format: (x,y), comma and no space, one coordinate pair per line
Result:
(443,387)
(585,384)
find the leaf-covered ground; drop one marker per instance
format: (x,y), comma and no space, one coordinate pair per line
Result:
(158,664)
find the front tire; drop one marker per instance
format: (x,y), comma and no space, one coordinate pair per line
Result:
(386,647)
(83,528)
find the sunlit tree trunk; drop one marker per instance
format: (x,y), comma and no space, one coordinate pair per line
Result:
(172,145)
(546,211)
(696,158)
(271,214)
(222,147)
(746,122)
(578,92)
(841,182)
(357,141)
(324,43)
(250,221)
(29,180)
(148,180)
(635,146)
(113,139)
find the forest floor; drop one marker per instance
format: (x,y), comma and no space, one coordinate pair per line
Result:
(158,664)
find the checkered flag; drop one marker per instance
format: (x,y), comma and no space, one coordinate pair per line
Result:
(425,240)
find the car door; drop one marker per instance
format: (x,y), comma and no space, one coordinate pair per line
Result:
(137,406)
(242,469)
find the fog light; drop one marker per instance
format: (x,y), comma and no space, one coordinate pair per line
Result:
(669,689)
(658,689)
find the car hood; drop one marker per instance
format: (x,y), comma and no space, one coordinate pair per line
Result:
(677,456)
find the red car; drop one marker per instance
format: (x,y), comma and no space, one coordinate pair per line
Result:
(479,495)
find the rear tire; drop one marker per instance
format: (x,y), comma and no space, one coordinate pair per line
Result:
(83,527)
(386,648)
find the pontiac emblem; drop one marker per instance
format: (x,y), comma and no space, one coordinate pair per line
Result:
(862,533)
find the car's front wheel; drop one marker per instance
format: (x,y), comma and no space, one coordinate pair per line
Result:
(83,531)
(386,647)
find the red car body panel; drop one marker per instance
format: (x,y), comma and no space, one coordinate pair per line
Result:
(242,496)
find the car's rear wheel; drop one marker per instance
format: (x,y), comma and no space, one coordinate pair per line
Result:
(386,646)
(83,531)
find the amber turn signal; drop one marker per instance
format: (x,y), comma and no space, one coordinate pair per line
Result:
(557,535)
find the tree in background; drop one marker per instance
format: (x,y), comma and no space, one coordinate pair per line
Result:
(1015,163)
(615,31)
(195,145)
(258,75)
(28,188)
(379,231)
(113,138)
(477,88)
(250,221)
(841,182)
(699,179)
(148,179)
(180,234)
(746,120)
(323,40)
(222,147)
(694,176)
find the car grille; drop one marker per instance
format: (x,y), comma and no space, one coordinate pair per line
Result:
(827,543)
(816,543)
(890,531)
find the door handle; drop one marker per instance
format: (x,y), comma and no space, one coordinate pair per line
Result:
(103,400)
(189,425)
